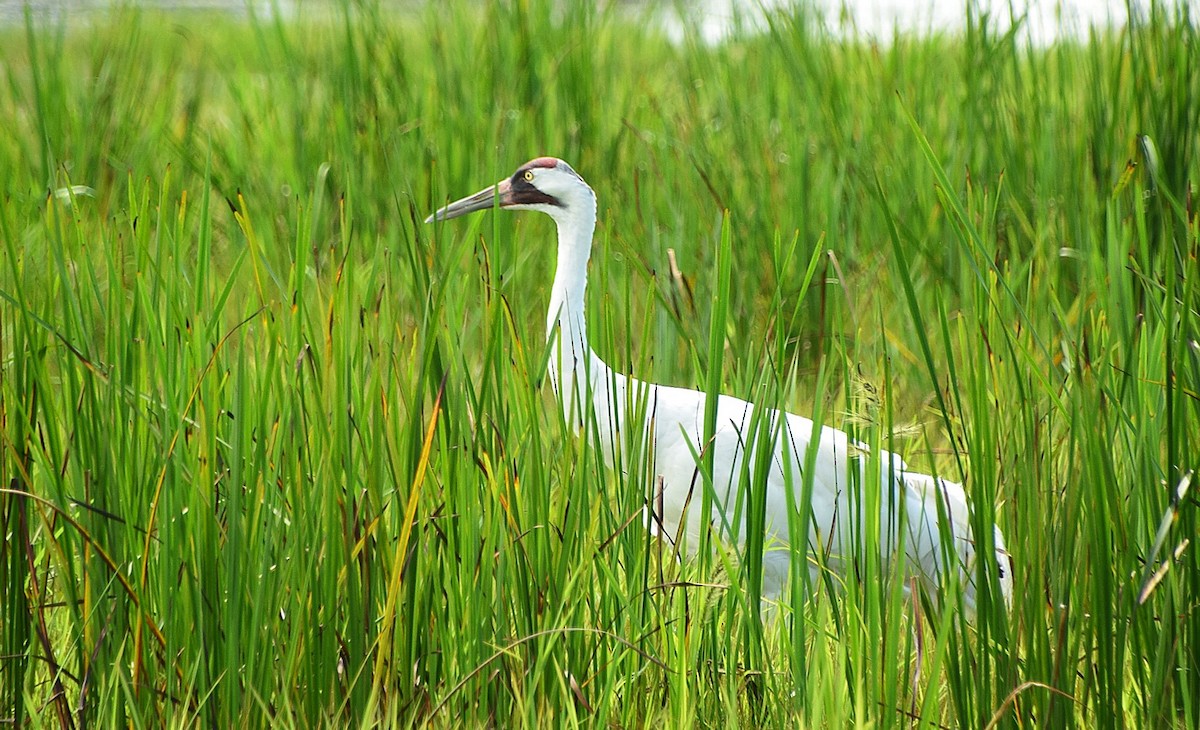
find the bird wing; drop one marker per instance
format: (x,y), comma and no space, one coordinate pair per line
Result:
(675,420)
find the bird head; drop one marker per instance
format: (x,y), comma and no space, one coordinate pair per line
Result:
(1004,573)
(546,184)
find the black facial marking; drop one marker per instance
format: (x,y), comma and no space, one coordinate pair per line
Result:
(525,193)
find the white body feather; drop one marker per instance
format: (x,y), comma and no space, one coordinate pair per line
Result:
(673,420)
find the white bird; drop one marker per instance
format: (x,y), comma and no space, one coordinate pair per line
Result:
(591,393)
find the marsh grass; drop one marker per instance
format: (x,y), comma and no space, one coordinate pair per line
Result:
(276,453)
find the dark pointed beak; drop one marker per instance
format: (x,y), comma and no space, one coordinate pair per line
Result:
(499,194)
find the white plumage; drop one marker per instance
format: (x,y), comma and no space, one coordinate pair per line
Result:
(673,419)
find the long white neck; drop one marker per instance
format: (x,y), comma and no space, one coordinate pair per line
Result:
(573,365)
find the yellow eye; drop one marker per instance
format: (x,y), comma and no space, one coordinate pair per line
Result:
(529,176)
